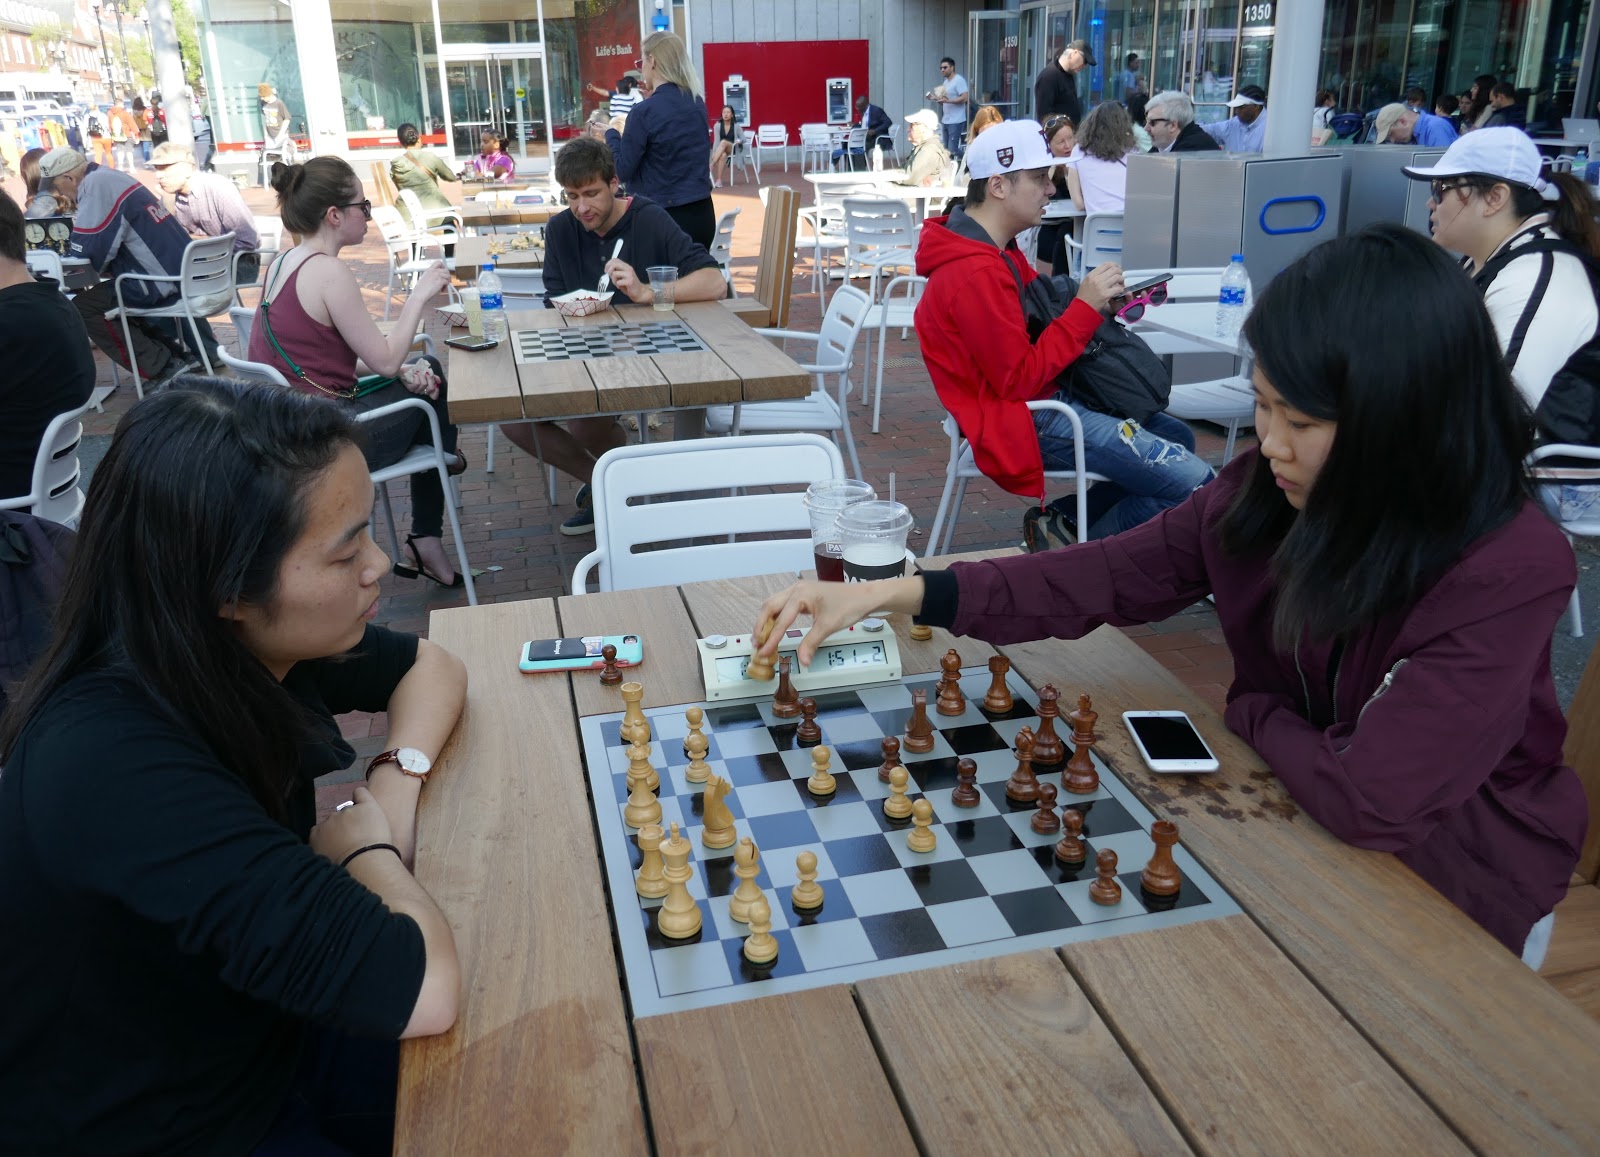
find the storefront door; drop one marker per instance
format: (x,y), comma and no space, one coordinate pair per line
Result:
(1046,28)
(496,88)
(992,50)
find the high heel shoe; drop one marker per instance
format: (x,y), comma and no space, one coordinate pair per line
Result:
(411,572)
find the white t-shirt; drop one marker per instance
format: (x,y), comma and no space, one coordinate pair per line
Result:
(622,102)
(1104,183)
(954,113)
(1566,318)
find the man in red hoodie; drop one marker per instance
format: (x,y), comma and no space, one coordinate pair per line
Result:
(975,342)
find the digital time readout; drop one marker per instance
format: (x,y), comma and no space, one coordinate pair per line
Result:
(841,657)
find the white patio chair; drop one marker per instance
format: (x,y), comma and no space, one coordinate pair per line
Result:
(834,353)
(55,494)
(204,285)
(880,233)
(673,521)
(269,241)
(884,316)
(1576,528)
(410,252)
(415,461)
(444,221)
(962,468)
(856,146)
(722,245)
(825,220)
(816,148)
(894,143)
(743,156)
(244,320)
(46,262)
(768,138)
(1102,240)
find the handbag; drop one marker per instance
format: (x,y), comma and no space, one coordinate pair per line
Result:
(1116,374)
(367,384)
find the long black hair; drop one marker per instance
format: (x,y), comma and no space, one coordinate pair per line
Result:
(1382,333)
(198,500)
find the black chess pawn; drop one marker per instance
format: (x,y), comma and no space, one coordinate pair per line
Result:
(1045,821)
(1070,848)
(966,790)
(609,673)
(808,733)
(891,758)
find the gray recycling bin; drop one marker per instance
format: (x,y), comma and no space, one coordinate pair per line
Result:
(1377,190)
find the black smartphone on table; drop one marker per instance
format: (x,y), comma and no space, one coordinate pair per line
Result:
(471,343)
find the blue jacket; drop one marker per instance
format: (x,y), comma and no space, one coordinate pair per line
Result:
(665,152)
(121,228)
(1433,132)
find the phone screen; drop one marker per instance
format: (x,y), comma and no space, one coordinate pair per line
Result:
(1169,737)
(1130,290)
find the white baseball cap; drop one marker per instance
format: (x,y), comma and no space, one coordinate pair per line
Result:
(1507,154)
(1009,147)
(1249,94)
(924,117)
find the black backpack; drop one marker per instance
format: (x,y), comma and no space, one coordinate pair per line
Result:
(1117,374)
(1570,409)
(33,567)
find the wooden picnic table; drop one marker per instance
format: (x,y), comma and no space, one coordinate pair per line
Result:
(738,365)
(491,214)
(1350,1010)
(472,252)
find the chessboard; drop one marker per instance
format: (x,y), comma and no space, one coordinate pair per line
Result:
(992,884)
(591,342)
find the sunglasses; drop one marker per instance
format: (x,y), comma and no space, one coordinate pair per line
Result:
(364,206)
(1152,122)
(1134,310)
(1440,188)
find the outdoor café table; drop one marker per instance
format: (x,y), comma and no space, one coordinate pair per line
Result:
(471,252)
(1348,1009)
(492,214)
(1197,321)
(737,365)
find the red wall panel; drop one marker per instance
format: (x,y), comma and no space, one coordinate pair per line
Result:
(788,78)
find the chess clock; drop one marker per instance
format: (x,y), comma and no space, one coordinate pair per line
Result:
(865,653)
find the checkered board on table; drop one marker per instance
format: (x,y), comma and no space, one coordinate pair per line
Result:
(587,343)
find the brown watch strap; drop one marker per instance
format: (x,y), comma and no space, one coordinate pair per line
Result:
(390,756)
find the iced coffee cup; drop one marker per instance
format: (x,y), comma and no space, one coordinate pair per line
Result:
(824,501)
(873,535)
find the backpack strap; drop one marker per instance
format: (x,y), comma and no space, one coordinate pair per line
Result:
(1549,247)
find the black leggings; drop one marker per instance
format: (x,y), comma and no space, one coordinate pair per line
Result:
(389,439)
(698,219)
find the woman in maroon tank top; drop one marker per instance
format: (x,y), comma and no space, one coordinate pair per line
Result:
(313,327)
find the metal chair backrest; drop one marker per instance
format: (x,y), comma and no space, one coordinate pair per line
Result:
(722,245)
(772,136)
(398,237)
(55,494)
(523,288)
(207,270)
(858,139)
(949,174)
(47,262)
(1102,239)
(743,466)
(873,223)
(252,371)
(244,319)
(841,325)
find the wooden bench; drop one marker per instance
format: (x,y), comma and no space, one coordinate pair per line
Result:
(769,306)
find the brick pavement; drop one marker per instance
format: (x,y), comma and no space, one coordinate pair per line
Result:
(511,531)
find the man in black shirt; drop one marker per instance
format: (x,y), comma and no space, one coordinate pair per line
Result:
(578,248)
(45,348)
(1055,92)
(1169,119)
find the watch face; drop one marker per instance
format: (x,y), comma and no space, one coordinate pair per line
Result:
(413,761)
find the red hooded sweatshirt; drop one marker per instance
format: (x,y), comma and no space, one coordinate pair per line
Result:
(975,343)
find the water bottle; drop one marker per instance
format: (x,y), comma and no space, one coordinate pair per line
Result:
(1233,301)
(877,158)
(492,304)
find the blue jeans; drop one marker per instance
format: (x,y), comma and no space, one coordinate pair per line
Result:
(950,133)
(1150,466)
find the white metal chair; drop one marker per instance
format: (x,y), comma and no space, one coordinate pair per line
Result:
(825,220)
(405,247)
(768,138)
(204,285)
(638,501)
(894,142)
(443,221)
(856,146)
(269,241)
(46,262)
(880,233)
(1102,239)
(743,157)
(1576,528)
(834,354)
(884,316)
(722,246)
(415,461)
(816,148)
(522,288)
(962,468)
(55,494)
(244,320)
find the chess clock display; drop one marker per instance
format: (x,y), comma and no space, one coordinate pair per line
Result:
(863,654)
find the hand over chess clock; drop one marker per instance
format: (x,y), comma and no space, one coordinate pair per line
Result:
(832,607)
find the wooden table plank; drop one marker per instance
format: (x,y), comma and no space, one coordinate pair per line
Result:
(624,385)
(552,389)
(483,385)
(671,669)
(1240,1046)
(471,252)
(769,373)
(1496,1051)
(540,1061)
(729,606)
(695,379)
(788,1074)
(488,214)
(748,310)
(1008,1055)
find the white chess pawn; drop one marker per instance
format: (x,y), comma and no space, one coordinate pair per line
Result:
(921,838)
(898,805)
(761,946)
(807,893)
(821,781)
(745,866)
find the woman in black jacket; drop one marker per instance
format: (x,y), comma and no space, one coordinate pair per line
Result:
(664,151)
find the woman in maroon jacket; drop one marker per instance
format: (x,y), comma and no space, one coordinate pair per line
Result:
(1385,582)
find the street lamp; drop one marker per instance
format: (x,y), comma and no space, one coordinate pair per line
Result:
(105,54)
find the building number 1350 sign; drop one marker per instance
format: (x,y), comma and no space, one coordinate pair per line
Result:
(1258,13)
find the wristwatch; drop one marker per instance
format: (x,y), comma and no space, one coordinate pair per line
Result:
(411,761)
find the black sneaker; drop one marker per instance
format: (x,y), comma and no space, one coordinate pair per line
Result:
(583,501)
(580,523)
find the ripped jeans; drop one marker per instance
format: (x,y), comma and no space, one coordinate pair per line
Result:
(1150,467)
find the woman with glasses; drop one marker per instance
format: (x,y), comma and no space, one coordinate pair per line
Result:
(313,327)
(1383,578)
(1061,138)
(1531,245)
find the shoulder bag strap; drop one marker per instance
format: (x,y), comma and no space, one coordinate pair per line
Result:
(266,328)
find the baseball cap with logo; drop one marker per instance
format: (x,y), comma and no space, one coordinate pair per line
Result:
(1506,154)
(1249,94)
(60,161)
(1008,147)
(170,153)
(924,117)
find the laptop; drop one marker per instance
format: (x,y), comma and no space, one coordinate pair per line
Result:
(1579,129)
(52,233)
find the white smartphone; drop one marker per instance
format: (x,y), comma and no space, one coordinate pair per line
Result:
(1169,742)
